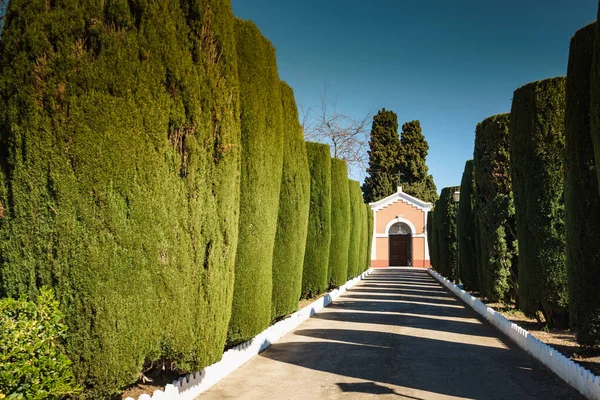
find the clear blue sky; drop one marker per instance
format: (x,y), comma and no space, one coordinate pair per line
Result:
(449,64)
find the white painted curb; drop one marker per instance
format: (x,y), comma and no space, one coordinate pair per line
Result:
(574,374)
(190,386)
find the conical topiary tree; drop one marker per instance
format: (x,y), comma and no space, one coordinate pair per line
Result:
(355,225)
(316,257)
(412,154)
(582,204)
(262,161)
(340,218)
(494,206)
(119,178)
(537,169)
(445,232)
(292,222)
(382,180)
(467,257)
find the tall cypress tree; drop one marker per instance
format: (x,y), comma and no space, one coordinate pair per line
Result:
(383,157)
(415,179)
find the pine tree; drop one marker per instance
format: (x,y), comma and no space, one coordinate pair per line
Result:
(414,177)
(383,152)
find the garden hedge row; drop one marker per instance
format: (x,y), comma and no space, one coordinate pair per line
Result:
(494,207)
(370,227)
(364,240)
(316,258)
(119,177)
(434,252)
(582,204)
(537,144)
(262,160)
(340,229)
(444,226)
(292,222)
(356,210)
(467,258)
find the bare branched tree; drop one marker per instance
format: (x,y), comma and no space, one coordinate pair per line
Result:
(347,136)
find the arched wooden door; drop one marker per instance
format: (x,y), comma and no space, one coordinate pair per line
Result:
(400,245)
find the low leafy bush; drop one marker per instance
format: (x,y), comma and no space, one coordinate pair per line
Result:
(32,362)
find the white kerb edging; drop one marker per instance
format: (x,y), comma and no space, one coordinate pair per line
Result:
(574,374)
(190,386)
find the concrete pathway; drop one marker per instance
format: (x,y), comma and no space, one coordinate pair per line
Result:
(398,334)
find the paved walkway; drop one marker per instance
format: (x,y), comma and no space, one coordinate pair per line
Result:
(398,334)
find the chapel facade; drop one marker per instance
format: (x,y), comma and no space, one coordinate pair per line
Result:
(400,232)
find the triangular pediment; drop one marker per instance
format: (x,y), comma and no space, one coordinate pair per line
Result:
(401,196)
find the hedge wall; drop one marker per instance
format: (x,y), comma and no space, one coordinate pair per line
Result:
(536,151)
(364,239)
(595,97)
(119,130)
(316,258)
(262,160)
(582,204)
(370,227)
(340,217)
(445,232)
(356,202)
(467,257)
(494,206)
(434,253)
(292,222)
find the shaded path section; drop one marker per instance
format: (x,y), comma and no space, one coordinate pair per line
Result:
(398,334)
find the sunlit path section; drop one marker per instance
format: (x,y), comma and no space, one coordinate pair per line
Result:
(397,335)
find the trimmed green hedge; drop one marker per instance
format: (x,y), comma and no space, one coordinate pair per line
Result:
(445,232)
(292,222)
(494,206)
(370,227)
(467,258)
(582,204)
(340,217)
(364,239)
(262,160)
(537,144)
(595,98)
(355,226)
(316,258)
(434,252)
(119,130)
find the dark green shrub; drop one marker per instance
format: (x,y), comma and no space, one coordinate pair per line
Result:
(445,232)
(262,161)
(582,204)
(292,222)
(432,242)
(340,221)
(119,130)
(356,202)
(32,360)
(316,258)
(364,239)
(494,206)
(467,257)
(370,226)
(537,144)
(595,97)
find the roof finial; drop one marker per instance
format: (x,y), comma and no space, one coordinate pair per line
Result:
(399,189)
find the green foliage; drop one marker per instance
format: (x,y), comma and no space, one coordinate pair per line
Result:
(467,257)
(494,206)
(445,232)
(262,162)
(415,179)
(355,225)
(364,239)
(316,258)
(340,217)
(119,177)
(434,251)
(537,144)
(582,204)
(32,360)
(370,227)
(595,98)
(383,157)
(292,222)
